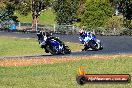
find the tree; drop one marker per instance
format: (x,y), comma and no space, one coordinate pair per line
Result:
(125,7)
(115,22)
(114,2)
(37,7)
(66,11)
(115,6)
(2,5)
(7,10)
(96,13)
(81,8)
(23,7)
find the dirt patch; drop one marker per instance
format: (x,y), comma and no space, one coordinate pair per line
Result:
(51,60)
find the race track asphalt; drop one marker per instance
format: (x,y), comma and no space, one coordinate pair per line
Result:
(111,44)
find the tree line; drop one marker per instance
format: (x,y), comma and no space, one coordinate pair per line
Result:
(90,13)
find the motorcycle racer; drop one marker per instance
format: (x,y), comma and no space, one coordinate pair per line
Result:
(44,39)
(41,38)
(85,37)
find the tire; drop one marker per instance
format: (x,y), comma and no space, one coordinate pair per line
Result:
(93,45)
(100,46)
(86,47)
(51,49)
(46,51)
(81,80)
(67,50)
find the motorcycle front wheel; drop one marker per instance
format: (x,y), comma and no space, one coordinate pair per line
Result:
(67,50)
(51,49)
(93,45)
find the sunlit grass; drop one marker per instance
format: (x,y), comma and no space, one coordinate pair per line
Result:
(19,47)
(63,75)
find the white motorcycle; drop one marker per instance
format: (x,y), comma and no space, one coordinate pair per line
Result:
(91,43)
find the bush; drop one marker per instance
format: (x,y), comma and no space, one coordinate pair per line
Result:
(114,25)
(127,32)
(97,12)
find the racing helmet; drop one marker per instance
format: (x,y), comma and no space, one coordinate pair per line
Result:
(81,32)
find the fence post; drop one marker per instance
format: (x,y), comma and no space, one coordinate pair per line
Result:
(54,27)
(36,26)
(19,25)
(73,27)
(114,31)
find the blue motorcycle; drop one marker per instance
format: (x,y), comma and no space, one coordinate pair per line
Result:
(91,43)
(53,45)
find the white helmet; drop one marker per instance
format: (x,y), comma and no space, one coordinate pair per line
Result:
(81,32)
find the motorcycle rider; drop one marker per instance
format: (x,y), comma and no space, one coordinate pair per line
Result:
(44,37)
(85,37)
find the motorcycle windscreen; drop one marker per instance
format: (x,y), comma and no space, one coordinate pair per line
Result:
(87,39)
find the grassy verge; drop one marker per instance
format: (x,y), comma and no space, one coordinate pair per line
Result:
(62,75)
(20,47)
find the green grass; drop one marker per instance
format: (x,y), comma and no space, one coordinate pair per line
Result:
(63,75)
(74,46)
(46,17)
(20,47)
